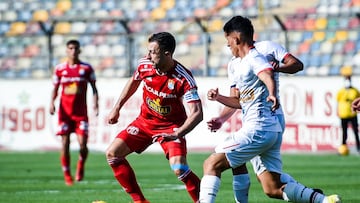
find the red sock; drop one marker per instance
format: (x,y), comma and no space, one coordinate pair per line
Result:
(65,163)
(125,175)
(192,183)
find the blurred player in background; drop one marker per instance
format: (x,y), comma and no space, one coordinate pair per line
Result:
(163,118)
(73,76)
(345,98)
(258,135)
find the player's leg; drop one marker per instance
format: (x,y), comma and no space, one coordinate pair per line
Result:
(116,153)
(241,184)
(277,184)
(176,152)
(65,158)
(213,166)
(65,129)
(344,127)
(82,137)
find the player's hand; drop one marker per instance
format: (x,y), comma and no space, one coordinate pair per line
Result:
(164,137)
(275,65)
(356,105)
(52,109)
(275,102)
(113,116)
(214,124)
(213,94)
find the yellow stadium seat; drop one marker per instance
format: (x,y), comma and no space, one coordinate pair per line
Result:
(341,35)
(319,36)
(64,5)
(216,25)
(17,28)
(321,23)
(40,15)
(158,14)
(62,28)
(346,71)
(167,4)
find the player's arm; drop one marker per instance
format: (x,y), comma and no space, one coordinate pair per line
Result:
(54,94)
(290,65)
(215,123)
(195,116)
(95,97)
(129,89)
(267,77)
(229,101)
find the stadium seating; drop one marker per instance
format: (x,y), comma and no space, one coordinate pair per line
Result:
(324,36)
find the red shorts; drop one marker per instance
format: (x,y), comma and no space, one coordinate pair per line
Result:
(79,127)
(138,137)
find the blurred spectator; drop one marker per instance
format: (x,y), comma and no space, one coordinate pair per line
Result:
(345,97)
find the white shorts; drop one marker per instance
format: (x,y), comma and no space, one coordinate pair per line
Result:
(275,166)
(244,145)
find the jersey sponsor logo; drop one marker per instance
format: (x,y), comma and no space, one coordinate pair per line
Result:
(247,95)
(132,130)
(159,94)
(71,79)
(155,106)
(71,89)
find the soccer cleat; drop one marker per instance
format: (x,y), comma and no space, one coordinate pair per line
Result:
(142,201)
(68,180)
(333,199)
(79,174)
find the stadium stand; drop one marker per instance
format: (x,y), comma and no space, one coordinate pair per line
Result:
(323,33)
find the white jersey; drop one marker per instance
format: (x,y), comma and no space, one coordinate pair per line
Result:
(272,52)
(256,111)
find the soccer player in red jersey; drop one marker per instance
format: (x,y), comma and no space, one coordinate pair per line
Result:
(166,85)
(73,76)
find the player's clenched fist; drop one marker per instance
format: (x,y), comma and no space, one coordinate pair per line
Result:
(212,94)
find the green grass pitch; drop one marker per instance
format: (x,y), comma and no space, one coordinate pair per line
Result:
(36,177)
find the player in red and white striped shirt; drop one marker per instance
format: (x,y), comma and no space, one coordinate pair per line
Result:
(167,85)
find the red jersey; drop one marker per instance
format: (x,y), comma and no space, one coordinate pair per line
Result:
(163,94)
(73,80)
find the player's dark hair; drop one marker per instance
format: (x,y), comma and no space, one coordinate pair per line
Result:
(242,25)
(73,42)
(165,40)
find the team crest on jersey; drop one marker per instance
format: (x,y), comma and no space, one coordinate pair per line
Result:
(171,84)
(155,106)
(81,71)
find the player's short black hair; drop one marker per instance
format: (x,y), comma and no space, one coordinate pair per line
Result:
(74,42)
(240,24)
(165,40)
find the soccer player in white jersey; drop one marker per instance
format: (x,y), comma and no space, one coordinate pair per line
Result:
(261,132)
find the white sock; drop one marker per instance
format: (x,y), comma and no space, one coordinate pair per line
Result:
(296,192)
(241,186)
(209,188)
